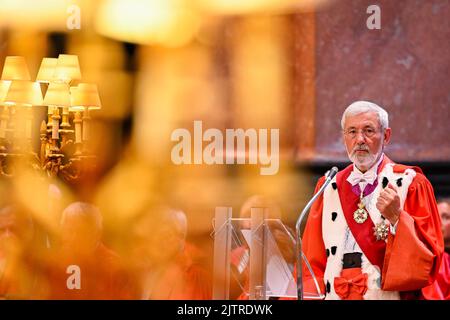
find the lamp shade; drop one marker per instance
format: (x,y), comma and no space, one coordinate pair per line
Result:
(85,96)
(47,70)
(4,87)
(57,95)
(15,68)
(24,93)
(67,68)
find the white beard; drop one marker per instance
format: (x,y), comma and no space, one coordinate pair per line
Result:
(365,161)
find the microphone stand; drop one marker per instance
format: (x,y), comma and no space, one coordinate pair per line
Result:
(329,176)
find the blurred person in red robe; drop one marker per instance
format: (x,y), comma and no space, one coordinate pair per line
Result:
(82,267)
(17,277)
(440,289)
(375,232)
(168,267)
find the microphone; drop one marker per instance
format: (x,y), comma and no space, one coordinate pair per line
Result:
(329,175)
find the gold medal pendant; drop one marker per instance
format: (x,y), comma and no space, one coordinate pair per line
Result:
(381,230)
(360,215)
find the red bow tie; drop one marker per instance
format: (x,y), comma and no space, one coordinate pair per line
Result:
(356,285)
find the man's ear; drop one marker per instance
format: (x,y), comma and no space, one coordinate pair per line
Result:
(387,135)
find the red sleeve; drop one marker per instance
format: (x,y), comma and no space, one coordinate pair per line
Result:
(413,255)
(313,246)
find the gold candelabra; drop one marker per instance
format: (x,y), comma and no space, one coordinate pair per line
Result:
(64,147)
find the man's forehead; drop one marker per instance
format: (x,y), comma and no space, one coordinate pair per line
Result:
(362,119)
(77,221)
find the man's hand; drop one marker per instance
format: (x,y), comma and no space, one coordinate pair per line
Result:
(388,203)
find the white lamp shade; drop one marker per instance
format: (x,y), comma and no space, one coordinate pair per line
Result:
(57,95)
(85,96)
(24,93)
(67,68)
(47,70)
(4,87)
(15,68)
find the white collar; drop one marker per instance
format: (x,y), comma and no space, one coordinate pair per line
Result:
(356,176)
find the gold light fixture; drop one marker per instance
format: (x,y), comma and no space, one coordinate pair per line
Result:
(21,96)
(45,76)
(84,98)
(58,96)
(18,94)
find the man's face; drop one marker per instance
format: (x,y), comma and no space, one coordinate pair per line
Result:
(444,211)
(364,139)
(173,241)
(80,234)
(156,242)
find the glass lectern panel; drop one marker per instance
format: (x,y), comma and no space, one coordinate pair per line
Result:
(258,259)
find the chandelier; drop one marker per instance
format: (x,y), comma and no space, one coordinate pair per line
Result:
(64,149)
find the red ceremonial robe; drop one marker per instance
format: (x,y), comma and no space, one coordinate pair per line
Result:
(440,289)
(102,277)
(409,260)
(185,278)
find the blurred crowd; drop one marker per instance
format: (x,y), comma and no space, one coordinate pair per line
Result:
(153,258)
(156,261)
(75,263)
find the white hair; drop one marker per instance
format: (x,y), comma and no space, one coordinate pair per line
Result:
(83,210)
(359,107)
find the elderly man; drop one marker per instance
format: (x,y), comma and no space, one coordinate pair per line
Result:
(167,266)
(83,267)
(375,233)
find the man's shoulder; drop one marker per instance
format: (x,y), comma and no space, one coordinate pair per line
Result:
(419,177)
(400,168)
